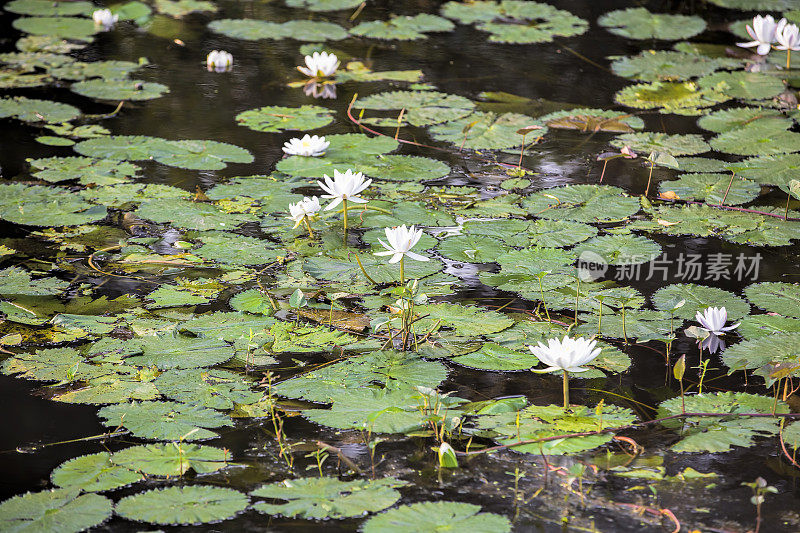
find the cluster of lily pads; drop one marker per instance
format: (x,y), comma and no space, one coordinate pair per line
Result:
(292,283)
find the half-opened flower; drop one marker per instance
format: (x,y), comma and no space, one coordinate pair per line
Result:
(104,18)
(307,207)
(309,145)
(219,60)
(345,186)
(763,33)
(713,319)
(567,354)
(787,35)
(320,65)
(627,152)
(401,241)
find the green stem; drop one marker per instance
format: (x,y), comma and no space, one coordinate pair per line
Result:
(624,333)
(308,227)
(566,390)
(544,303)
(521,151)
(403,273)
(786,213)
(344,202)
(788,59)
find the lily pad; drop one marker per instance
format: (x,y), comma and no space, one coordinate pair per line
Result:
(744,85)
(582,203)
(720,434)
(776,297)
(31,110)
(164,420)
(302,30)
(712,188)
(422,108)
(191,215)
(684,98)
(93,473)
(674,145)
(47,8)
(622,249)
(327,497)
(666,65)
(484,131)
(171,459)
(276,118)
(515,21)
(192,505)
(103,89)
(403,27)
(639,23)
(217,389)
(80,29)
(84,169)
(36,205)
(61,510)
(698,298)
(759,138)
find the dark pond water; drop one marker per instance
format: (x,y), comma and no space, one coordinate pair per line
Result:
(202,105)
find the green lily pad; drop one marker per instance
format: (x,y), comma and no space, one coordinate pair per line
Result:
(775,297)
(776,170)
(492,356)
(79,29)
(387,367)
(217,389)
(84,169)
(515,21)
(51,364)
(171,459)
(191,215)
(323,5)
(683,98)
(536,421)
(233,249)
(666,65)
(348,271)
(181,8)
(622,249)
(485,131)
(167,352)
(31,110)
(192,505)
(712,188)
(47,8)
(764,354)
(302,30)
(36,205)
(582,203)
(403,28)
(698,298)
(422,108)
(164,420)
(759,138)
(16,281)
(592,120)
(471,249)
(62,510)
(93,473)
(744,85)
(720,434)
(639,23)
(674,145)
(739,117)
(103,89)
(327,497)
(276,118)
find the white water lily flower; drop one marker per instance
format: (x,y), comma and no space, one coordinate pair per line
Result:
(344,186)
(104,17)
(787,35)
(763,33)
(401,241)
(320,65)
(567,354)
(307,207)
(309,145)
(713,320)
(219,60)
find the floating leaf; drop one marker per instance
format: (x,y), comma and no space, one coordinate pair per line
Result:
(31,110)
(164,420)
(191,215)
(744,85)
(79,29)
(46,206)
(422,108)
(712,188)
(327,497)
(487,131)
(335,381)
(639,23)
(775,297)
(403,28)
(61,510)
(673,145)
(666,65)
(84,169)
(276,118)
(171,459)
(623,249)
(53,364)
(759,138)
(772,169)
(739,117)
(181,8)
(217,389)
(515,21)
(582,203)
(698,298)
(764,354)
(683,98)
(48,8)
(493,356)
(93,473)
(592,120)
(302,30)
(103,89)
(720,434)
(192,505)
(471,249)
